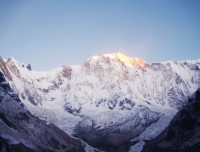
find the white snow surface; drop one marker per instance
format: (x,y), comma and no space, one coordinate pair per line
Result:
(153,130)
(105,90)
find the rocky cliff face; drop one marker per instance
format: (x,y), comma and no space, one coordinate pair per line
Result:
(107,82)
(183,133)
(107,96)
(21,131)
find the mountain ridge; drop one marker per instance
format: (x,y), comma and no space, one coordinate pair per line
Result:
(110,56)
(21,131)
(104,92)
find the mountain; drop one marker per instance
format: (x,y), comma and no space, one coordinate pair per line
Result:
(107,100)
(183,133)
(21,131)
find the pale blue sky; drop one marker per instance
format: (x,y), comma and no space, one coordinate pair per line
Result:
(50,33)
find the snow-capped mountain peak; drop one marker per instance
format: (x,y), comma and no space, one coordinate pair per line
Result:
(119,57)
(13,62)
(105,92)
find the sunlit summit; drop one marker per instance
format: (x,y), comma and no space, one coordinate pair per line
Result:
(128,61)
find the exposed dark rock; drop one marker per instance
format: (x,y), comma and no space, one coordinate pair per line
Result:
(4,69)
(183,133)
(114,137)
(72,109)
(112,104)
(6,147)
(98,102)
(6,121)
(67,72)
(126,104)
(29,67)
(198,95)
(21,131)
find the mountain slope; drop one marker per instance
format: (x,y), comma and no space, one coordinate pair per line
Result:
(21,131)
(78,86)
(108,95)
(183,133)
